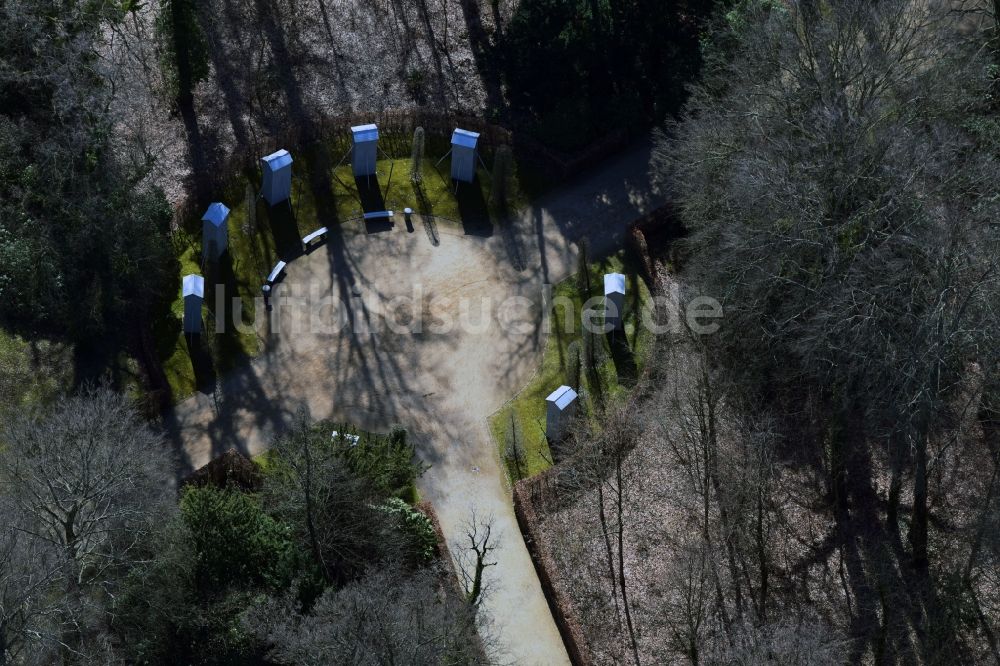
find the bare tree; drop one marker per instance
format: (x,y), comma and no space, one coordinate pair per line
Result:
(688,604)
(833,181)
(389,616)
(86,483)
(848,316)
(598,464)
(618,438)
(28,570)
(475,556)
(801,640)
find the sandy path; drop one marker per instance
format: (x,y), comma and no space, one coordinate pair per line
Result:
(440,384)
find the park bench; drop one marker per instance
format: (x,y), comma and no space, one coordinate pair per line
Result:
(319,234)
(378,215)
(278,269)
(353,439)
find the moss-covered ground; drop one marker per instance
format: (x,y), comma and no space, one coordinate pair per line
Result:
(32,373)
(619,360)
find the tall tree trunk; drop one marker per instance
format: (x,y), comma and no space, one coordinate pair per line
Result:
(310,518)
(895,486)
(619,491)
(918,526)
(762,558)
(610,550)
(710,443)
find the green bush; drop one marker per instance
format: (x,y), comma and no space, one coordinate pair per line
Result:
(163,617)
(387,462)
(417,529)
(236,542)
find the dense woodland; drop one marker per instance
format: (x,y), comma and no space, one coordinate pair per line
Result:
(817,483)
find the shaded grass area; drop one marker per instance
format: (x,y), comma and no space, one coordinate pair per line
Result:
(193,362)
(436,194)
(619,361)
(324,193)
(32,373)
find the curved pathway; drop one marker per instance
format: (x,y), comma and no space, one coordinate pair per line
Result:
(440,383)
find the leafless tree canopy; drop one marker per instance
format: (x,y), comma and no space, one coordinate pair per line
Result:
(82,487)
(388,617)
(476,555)
(816,482)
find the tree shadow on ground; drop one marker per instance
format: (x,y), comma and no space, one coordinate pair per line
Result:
(225,343)
(372,201)
(203,149)
(369,193)
(473,209)
(426,210)
(205,376)
(379,225)
(623,357)
(94,361)
(512,244)
(488,59)
(893,612)
(430,227)
(284,230)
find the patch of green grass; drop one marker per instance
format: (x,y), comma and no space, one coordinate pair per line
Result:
(616,371)
(437,195)
(240,272)
(31,373)
(178,369)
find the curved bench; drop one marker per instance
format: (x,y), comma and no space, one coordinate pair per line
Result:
(309,239)
(276,272)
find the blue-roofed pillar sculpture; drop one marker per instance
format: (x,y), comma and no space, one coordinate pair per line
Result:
(193,290)
(215,231)
(560,410)
(463,155)
(277,168)
(364,150)
(614,300)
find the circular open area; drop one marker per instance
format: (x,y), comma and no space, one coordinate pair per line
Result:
(439,337)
